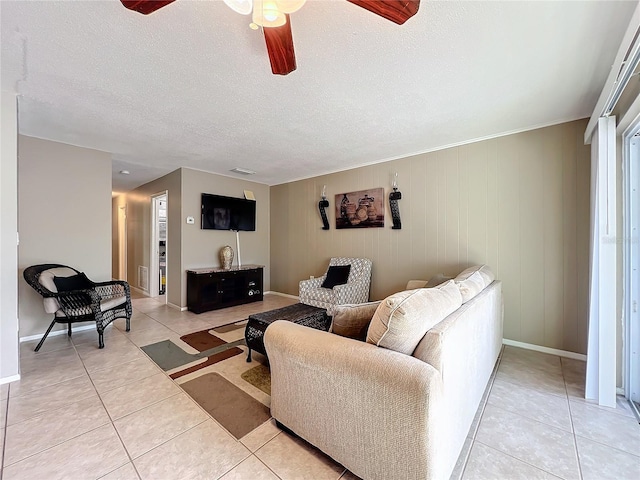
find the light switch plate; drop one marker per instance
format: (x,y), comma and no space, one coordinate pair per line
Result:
(191,220)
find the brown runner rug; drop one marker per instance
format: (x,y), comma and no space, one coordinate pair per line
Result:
(234,409)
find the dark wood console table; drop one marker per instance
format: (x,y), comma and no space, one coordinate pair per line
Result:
(213,288)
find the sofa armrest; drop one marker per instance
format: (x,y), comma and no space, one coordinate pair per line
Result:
(373,410)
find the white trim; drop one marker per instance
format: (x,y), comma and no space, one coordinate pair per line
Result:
(539,348)
(154,264)
(55,333)
(630,119)
(619,391)
(270,292)
(13,378)
(627,46)
(630,263)
(176,307)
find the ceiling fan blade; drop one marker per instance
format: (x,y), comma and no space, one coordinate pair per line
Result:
(279,42)
(145,7)
(398,11)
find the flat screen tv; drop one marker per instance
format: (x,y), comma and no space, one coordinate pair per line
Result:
(228,213)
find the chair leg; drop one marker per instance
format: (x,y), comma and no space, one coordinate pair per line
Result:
(100,340)
(69,331)
(45,334)
(128,324)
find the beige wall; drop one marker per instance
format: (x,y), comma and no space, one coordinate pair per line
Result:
(519,203)
(202,247)
(187,245)
(8,247)
(139,232)
(64,217)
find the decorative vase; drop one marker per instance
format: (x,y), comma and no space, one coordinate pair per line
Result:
(226,257)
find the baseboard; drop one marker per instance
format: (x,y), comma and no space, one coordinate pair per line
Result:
(295,297)
(538,348)
(619,391)
(139,290)
(13,378)
(176,307)
(57,332)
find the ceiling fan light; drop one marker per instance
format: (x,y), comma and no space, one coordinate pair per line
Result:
(243,7)
(290,6)
(266,14)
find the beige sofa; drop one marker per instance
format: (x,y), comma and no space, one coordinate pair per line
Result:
(384,414)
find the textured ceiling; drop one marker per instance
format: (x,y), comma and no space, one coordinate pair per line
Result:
(190,85)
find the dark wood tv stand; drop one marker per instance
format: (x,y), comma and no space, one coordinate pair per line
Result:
(214,288)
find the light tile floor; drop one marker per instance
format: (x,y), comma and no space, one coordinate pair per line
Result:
(84,413)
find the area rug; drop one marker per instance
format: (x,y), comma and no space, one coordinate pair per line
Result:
(236,393)
(259,377)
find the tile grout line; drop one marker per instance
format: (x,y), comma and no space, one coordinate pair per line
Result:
(4,433)
(573,430)
(492,379)
(111,421)
(518,459)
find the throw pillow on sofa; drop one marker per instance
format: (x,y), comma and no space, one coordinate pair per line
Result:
(353,320)
(402,319)
(473,280)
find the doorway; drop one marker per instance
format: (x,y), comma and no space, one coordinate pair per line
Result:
(631,265)
(122,243)
(158,274)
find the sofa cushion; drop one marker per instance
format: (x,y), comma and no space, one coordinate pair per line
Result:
(74,282)
(336,275)
(473,280)
(402,319)
(353,320)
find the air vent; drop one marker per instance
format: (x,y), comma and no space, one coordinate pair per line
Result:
(243,171)
(143,277)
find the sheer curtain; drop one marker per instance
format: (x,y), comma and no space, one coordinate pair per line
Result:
(601,352)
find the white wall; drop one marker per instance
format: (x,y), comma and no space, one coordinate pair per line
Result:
(64,217)
(9,355)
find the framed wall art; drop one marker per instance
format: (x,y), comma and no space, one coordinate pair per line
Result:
(361,209)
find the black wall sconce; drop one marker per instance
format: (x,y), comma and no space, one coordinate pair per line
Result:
(322,204)
(393,202)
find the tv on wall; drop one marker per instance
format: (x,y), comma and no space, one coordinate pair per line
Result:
(228,213)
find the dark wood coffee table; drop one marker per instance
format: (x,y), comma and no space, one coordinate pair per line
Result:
(299,313)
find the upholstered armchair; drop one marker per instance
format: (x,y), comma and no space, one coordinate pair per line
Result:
(71,297)
(356,290)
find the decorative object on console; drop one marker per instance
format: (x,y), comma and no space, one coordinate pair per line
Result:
(393,203)
(322,204)
(273,17)
(361,209)
(226,257)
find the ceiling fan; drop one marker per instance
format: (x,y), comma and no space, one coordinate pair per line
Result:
(273,16)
